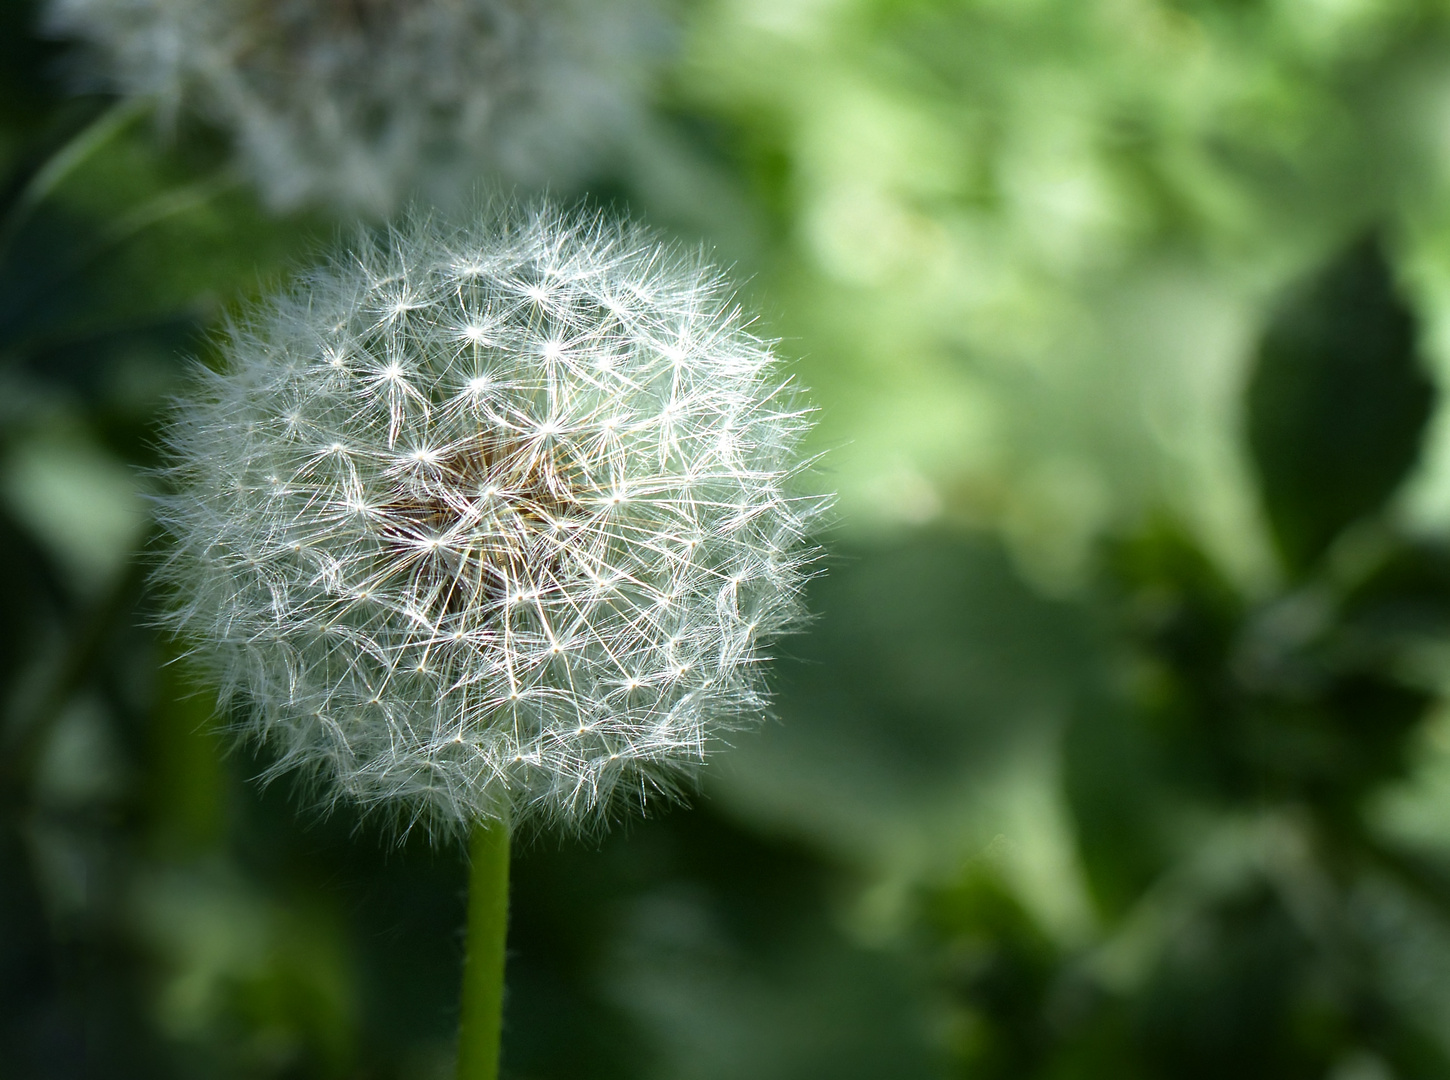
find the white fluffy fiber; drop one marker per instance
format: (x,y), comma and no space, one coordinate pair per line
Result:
(361,103)
(494,517)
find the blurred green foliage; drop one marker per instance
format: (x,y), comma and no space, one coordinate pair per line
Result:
(1118,746)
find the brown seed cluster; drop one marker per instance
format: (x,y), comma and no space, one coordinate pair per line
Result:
(476,521)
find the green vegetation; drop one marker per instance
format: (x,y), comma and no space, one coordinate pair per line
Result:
(1118,744)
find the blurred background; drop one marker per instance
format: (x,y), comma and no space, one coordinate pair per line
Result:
(1119,746)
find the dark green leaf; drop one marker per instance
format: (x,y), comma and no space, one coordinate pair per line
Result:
(1338,403)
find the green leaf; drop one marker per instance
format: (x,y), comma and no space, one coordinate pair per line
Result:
(920,717)
(1337,405)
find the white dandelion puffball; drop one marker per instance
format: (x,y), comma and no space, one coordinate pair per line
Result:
(494,518)
(362,102)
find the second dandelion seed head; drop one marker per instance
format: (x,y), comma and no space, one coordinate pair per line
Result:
(360,103)
(492,518)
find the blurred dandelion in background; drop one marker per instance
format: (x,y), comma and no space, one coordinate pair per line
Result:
(360,104)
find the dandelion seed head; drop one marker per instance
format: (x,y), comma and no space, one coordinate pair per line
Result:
(360,103)
(547,601)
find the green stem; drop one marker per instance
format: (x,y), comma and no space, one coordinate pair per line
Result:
(65,161)
(481,1009)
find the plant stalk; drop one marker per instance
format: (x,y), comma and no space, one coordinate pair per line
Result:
(480,1016)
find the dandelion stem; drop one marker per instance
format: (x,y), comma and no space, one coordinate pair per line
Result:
(481,1009)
